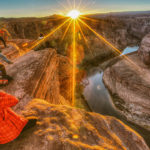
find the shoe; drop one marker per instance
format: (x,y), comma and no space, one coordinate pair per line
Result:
(9,78)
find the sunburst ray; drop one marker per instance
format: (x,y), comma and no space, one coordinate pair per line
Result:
(70,4)
(87,18)
(84,37)
(66,30)
(48,35)
(117,51)
(78,7)
(61,4)
(74,63)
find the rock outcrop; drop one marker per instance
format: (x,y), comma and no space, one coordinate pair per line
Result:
(67,128)
(120,31)
(16,48)
(129,82)
(30,28)
(144,50)
(65,77)
(35,75)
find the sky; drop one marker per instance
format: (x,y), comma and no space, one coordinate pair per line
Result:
(40,8)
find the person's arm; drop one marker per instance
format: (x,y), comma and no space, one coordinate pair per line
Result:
(5,59)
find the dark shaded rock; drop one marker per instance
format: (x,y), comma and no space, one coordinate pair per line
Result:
(144,50)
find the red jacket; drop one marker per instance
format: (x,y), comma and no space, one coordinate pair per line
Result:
(11,124)
(2,33)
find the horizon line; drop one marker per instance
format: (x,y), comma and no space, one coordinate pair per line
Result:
(44,16)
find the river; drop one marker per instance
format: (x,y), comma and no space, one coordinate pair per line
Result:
(100,100)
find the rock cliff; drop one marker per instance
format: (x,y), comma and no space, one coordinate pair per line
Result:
(129,83)
(144,50)
(35,75)
(120,31)
(67,128)
(46,75)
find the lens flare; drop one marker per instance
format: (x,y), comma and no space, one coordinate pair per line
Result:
(74,14)
(75,20)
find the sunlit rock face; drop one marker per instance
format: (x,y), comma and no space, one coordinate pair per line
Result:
(65,77)
(129,83)
(15,48)
(26,28)
(120,31)
(67,128)
(35,75)
(30,28)
(144,50)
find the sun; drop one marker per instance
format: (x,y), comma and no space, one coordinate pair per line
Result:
(74,14)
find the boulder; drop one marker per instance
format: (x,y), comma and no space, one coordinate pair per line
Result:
(144,50)
(67,128)
(35,75)
(129,83)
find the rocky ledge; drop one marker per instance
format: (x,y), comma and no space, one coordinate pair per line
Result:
(45,75)
(67,128)
(129,82)
(35,75)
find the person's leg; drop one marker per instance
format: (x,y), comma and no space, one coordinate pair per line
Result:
(3,70)
(5,59)
(3,41)
(4,74)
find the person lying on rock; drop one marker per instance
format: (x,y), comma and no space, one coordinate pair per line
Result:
(11,124)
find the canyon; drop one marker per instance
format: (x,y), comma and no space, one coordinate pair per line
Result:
(38,75)
(128,81)
(42,81)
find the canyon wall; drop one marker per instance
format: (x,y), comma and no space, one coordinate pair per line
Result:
(67,128)
(35,75)
(120,31)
